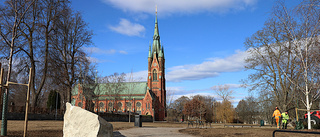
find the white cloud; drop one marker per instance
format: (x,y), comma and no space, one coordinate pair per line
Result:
(96,60)
(182,91)
(207,69)
(137,76)
(127,28)
(231,86)
(181,6)
(123,52)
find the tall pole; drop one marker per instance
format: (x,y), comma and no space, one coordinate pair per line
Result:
(27,106)
(1,84)
(4,111)
(153,115)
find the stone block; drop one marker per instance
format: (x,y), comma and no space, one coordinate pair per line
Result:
(82,123)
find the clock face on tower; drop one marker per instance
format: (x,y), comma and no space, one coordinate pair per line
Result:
(154,64)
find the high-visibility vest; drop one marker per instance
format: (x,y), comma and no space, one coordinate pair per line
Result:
(276,113)
(285,116)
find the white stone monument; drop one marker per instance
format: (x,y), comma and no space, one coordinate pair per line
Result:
(82,123)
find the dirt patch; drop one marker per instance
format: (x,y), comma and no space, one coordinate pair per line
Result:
(240,132)
(37,133)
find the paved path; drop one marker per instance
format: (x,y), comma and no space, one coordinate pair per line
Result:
(150,132)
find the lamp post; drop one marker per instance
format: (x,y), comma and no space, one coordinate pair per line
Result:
(153,115)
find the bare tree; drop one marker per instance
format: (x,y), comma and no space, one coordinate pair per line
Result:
(71,35)
(178,106)
(195,108)
(90,86)
(223,91)
(114,87)
(11,16)
(224,110)
(37,30)
(247,110)
(285,54)
(131,89)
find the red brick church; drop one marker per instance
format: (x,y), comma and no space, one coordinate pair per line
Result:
(145,98)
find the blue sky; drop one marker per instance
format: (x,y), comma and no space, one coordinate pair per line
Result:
(202,39)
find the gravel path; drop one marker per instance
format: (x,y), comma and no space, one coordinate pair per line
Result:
(150,132)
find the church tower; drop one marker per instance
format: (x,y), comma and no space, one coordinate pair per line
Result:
(156,75)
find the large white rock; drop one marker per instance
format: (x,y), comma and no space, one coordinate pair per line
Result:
(82,123)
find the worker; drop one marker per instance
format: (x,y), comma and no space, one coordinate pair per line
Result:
(277,115)
(285,118)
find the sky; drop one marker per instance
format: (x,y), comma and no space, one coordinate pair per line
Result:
(203,40)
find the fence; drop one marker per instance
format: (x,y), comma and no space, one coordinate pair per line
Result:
(18,113)
(124,117)
(289,131)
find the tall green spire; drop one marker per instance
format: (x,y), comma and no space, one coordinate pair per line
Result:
(156,30)
(156,37)
(149,56)
(160,53)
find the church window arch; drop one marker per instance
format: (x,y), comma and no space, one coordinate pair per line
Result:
(119,106)
(128,105)
(101,106)
(154,75)
(138,107)
(110,105)
(80,104)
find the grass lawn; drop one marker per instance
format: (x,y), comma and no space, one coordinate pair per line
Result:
(55,129)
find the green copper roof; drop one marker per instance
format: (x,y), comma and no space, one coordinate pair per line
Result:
(125,88)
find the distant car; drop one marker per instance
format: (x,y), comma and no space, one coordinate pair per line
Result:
(315,118)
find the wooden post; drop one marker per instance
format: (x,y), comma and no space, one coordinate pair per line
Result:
(27,106)
(1,83)
(297,114)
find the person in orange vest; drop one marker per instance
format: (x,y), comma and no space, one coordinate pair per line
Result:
(277,115)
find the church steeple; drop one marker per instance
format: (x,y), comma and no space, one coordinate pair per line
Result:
(156,37)
(156,30)
(156,74)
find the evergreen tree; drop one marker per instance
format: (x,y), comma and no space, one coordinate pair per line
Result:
(53,100)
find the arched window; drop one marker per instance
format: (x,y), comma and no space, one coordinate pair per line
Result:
(101,107)
(110,105)
(128,105)
(138,107)
(154,74)
(80,104)
(119,106)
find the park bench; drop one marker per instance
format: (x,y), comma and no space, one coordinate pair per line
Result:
(198,123)
(191,122)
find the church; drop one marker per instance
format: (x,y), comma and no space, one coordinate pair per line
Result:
(145,98)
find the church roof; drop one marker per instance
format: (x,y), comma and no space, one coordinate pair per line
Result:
(123,90)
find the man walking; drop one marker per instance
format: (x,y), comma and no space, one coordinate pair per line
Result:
(285,118)
(277,115)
